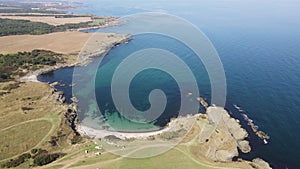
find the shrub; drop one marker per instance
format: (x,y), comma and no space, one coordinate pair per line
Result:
(33,151)
(76,139)
(43,159)
(53,141)
(16,162)
(168,135)
(11,86)
(112,138)
(39,152)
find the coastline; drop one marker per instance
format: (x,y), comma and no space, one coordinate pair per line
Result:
(32,76)
(217,129)
(85,130)
(93,133)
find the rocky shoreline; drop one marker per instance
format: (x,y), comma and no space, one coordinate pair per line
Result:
(232,134)
(72,109)
(220,144)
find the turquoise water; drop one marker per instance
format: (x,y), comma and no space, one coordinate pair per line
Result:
(259,45)
(147,80)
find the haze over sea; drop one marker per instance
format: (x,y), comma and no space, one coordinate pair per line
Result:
(259,45)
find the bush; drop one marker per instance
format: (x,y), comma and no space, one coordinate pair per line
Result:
(33,151)
(112,138)
(53,141)
(168,135)
(39,152)
(11,86)
(43,159)
(151,138)
(16,162)
(76,139)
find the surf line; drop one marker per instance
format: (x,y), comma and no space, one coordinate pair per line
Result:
(254,127)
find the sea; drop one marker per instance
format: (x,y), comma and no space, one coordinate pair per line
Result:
(258,43)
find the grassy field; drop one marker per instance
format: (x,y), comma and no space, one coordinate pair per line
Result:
(28,118)
(16,139)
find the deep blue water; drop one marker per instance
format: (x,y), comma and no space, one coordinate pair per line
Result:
(259,46)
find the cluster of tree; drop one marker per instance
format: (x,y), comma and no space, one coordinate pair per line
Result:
(45,158)
(40,157)
(27,10)
(17,161)
(22,27)
(14,64)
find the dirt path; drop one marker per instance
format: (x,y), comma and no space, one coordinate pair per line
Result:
(53,127)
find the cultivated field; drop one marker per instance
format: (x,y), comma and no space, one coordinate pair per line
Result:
(51,20)
(60,42)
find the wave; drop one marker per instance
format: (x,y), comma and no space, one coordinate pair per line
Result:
(238,108)
(245,116)
(254,127)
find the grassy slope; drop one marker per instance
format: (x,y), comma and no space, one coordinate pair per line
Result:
(20,140)
(21,130)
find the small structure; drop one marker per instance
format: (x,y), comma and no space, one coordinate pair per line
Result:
(98,147)
(97,153)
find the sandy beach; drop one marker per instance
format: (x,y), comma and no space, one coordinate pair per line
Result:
(85,130)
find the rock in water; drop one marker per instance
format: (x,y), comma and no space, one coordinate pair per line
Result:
(260,164)
(244,146)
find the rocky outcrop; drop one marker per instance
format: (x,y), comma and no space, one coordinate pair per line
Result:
(244,146)
(203,102)
(58,96)
(74,99)
(86,57)
(54,84)
(228,136)
(71,116)
(260,164)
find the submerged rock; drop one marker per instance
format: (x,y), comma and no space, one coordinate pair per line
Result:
(54,84)
(74,99)
(262,135)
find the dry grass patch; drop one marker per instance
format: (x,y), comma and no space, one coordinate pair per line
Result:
(51,20)
(192,133)
(22,138)
(29,116)
(27,102)
(59,42)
